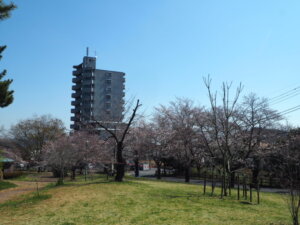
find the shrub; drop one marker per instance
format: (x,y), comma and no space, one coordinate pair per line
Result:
(14,174)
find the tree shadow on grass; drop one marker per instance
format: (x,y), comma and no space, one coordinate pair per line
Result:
(32,199)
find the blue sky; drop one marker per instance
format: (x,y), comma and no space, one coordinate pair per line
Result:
(165,47)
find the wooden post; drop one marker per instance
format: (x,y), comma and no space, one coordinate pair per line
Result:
(257,189)
(250,192)
(229,184)
(238,187)
(204,187)
(222,188)
(244,187)
(212,182)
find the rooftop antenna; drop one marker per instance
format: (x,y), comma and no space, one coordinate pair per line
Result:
(87,51)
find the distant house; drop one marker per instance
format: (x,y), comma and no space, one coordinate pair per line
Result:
(9,157)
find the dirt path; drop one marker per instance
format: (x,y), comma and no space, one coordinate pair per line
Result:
(23,187)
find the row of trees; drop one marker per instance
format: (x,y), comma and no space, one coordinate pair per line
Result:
(233,135)
(229,136)
(226,137)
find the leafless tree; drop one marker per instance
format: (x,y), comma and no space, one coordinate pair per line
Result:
(223,127)
(69,153)
(58,154)
(30,135)
(118,132)
(157,142)
(255,121)
(284,158)
(136,147)
(180,117)
(87,149)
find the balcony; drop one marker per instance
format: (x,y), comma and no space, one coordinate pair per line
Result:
(75,103)
(76,72)
(122,101)
(76,87)
(76,95)
(76,79)
(74,126)
(75,118)
(76,110)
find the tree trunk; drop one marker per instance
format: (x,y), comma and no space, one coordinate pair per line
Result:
(232,179)
(198,170)
(238,187)
(212,182)
(120,167)
(187,174)
(1,174)
(224,186)
(257,189)
(224,183)
(158,171)
(255,173)
(295,220)
(204,185)
(73,173)
(136,168)
(250,189)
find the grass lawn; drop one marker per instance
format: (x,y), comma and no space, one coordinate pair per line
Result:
(5,185)
(139,202)
(28,176)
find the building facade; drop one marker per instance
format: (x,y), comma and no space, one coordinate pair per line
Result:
(98,94)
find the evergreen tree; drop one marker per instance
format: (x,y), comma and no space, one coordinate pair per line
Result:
(6,96)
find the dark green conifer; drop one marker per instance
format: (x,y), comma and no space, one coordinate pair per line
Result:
(6,95)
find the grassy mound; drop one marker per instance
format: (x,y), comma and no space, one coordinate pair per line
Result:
(142,202)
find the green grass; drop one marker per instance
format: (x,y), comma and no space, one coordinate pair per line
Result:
(139,202)
(29,200)
(6,185)
(27,176)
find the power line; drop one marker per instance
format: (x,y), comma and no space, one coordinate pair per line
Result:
(282,113)
(286,98)
(296,108)
(285,94)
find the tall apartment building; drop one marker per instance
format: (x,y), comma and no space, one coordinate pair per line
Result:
(98,94)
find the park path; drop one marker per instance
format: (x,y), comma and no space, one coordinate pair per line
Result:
(23,187)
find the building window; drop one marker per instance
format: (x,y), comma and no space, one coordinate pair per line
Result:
(108,90)
(108,97)
(108,75)
(108,81)
(107,105)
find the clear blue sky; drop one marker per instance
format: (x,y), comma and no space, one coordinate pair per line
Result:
(165,47)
